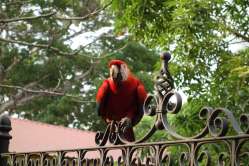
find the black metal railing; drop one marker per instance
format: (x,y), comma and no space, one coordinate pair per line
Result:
(234,145)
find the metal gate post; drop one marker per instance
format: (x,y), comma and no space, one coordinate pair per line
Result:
(5,127)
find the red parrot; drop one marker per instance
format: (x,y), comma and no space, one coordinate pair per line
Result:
(121,97)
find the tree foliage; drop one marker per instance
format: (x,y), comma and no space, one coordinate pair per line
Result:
(36,58)
(199,35)
(43,77)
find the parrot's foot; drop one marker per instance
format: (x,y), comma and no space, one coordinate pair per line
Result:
(112,122)
(125,124)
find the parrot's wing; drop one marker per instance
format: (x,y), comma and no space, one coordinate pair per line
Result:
(141,95)
(101,97)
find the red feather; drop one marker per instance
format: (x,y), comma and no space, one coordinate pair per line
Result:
(122,99)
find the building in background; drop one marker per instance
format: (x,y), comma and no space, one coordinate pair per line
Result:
(31,136)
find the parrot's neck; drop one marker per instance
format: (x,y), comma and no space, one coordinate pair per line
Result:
(122,86)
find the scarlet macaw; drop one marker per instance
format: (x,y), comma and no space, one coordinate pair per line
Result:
(121,97)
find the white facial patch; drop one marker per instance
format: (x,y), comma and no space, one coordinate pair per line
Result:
(113,71)
(123,71)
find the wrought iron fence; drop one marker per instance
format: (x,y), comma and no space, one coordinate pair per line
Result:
(216,127)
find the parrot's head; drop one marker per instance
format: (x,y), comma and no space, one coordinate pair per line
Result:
(119,71)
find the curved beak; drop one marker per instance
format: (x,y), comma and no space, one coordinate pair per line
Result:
(115,73)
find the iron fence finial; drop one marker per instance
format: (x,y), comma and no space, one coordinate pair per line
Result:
(5,127)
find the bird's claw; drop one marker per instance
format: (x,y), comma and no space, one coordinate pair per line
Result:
(112,124)
(125,124)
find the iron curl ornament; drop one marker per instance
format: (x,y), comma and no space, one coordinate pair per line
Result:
(164,85)
(217,124)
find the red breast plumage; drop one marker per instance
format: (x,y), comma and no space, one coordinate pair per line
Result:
(123,98)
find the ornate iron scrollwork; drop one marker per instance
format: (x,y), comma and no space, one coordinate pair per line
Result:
(194,155)
(164,86)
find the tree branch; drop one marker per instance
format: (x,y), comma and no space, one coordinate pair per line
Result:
(59,81)
(236,33)
(51,93)
(98,39)
(17,60)
(49,43)
(36,82)
(112,41)
(11,3)
(72,36)
(2,76)
(87,16)
(241,42)
(81,101)
(18,96)
(29,98)
(41,46)
(60,52)
(17,99)
(103,56)
(241,36)
(12,103)
(27,18)
(84,74)
(87,61)
(222,17)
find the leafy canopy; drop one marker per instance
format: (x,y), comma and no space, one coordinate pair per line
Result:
(43,77)
(199,35)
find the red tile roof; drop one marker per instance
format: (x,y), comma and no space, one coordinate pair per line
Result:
(30,136)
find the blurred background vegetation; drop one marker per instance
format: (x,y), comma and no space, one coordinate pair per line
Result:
(45,77)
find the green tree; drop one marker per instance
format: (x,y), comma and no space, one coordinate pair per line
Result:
(199,35)
(43,78)
(38,67)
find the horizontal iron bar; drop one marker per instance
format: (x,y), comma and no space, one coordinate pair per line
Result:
(140,145)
